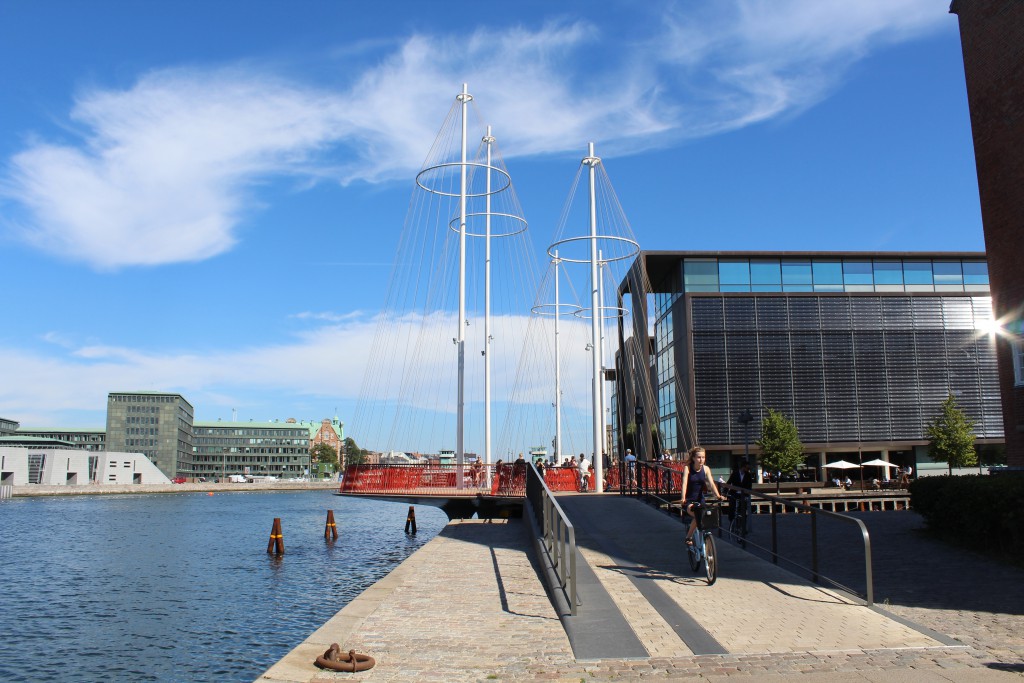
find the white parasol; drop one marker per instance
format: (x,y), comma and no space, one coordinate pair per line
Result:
(880,463)
(842,465)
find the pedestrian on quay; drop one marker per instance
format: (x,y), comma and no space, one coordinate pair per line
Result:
(630,460)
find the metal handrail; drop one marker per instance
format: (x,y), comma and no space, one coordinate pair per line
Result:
(663,484)
(816,575)
(559,536)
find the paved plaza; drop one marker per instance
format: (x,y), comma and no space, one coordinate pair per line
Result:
(470,606)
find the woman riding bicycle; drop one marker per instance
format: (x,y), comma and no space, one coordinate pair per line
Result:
(697,479)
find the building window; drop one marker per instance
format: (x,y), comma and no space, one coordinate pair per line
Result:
(1017,349)
(888,273)
(857,275)
(917,272)
(975,273)
(765,276)
(948,275)
(734,276)
(796,276)
(700,275)
(828,276)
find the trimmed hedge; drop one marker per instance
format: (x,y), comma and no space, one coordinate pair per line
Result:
(985,513)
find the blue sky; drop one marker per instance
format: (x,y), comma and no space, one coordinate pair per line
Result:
(207,197)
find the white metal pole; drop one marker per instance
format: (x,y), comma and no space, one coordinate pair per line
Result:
(489,140)
(558,370)
(602,390)
(460,339)
(595,332)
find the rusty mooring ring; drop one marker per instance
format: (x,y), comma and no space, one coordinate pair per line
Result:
(350,661)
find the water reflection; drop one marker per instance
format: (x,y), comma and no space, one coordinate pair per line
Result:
(180,587)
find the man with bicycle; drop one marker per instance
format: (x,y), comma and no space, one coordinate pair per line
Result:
(584,474)
(741,478)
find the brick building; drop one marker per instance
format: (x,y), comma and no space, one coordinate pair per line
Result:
(992,36)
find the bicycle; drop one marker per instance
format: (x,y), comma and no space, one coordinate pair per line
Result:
(702,550)
(739,527)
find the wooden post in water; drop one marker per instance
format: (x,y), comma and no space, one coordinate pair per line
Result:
(410,521)
(331,530)
(276,544)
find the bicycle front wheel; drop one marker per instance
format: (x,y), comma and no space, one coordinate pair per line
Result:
(710,558)
(693,552)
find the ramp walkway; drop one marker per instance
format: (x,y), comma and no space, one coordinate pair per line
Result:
(637,554)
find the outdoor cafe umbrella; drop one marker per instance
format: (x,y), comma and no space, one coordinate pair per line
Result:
(880,463)
(843,465)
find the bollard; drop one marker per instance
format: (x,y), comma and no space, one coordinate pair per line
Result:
(331,530)
(410,521)
(276,544)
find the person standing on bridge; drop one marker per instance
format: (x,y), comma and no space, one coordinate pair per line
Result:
(697,479)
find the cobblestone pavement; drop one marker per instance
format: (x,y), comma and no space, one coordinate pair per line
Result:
(469,606)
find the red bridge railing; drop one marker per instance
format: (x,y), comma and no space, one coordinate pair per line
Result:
(505,480)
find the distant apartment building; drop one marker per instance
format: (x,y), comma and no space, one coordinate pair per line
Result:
(330,432)
(85,438)
(992,37)
(158,425)
(278,449)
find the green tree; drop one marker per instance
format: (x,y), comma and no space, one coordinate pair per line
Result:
(951,437)
(324,453)
(781,450)
(354,455)
(629,438)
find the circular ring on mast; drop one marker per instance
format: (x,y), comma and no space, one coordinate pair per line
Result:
(517,224)
(543,309)
(584,313)
(633,250)
(422,181)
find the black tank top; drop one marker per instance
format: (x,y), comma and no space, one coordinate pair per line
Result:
(695,484)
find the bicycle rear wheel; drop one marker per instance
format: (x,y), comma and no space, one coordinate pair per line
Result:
(710,558)
(738,529)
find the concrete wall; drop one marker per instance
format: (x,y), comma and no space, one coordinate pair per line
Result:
(64,467)
(13,465)
(128,468)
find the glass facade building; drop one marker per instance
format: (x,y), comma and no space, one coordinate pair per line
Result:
(858,349)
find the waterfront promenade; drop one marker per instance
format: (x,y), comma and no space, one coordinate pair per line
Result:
(470,606)
(27,490)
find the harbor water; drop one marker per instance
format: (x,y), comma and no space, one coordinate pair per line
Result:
(179,587)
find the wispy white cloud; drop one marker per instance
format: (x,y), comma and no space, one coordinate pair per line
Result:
(326,361)
(747,61)
(167,170)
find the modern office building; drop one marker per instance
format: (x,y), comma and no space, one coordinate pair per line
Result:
(8,427)
(992,37)
(859,349)
(159,425)
(277,449)
(84,438)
